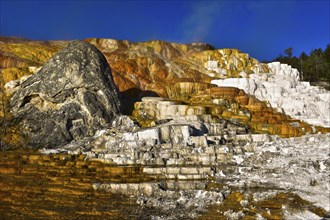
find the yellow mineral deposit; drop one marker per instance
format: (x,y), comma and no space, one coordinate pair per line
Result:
(69,185)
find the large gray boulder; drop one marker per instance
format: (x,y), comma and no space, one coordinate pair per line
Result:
(71,97)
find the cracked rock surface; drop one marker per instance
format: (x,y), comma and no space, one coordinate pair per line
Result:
(71,97)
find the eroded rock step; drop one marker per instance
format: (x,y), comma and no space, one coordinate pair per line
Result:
(60,186)
(63,186)
(33,186)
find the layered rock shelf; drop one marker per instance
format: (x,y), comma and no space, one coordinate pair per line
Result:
(59,186)
(212,172)
(164,131)
(225,103)
(283,90)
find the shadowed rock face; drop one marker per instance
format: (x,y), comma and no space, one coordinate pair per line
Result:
(71,97)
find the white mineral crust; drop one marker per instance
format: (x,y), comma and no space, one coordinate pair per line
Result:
(283,90)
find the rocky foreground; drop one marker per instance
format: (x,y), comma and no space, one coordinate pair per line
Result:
(273,179)
(163,132)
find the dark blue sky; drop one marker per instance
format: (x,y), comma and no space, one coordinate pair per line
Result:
(261,28)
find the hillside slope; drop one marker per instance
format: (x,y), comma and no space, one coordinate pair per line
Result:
(178,72)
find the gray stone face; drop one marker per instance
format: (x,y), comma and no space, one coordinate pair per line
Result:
(71,97)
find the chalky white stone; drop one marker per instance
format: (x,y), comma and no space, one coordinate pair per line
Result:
(283,90)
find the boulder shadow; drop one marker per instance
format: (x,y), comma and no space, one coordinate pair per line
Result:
(130,96)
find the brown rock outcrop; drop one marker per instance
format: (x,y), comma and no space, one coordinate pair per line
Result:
(169,70)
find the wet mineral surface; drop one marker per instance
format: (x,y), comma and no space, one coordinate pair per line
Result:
(62,186)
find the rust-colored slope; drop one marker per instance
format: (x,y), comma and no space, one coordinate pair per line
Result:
(159,68)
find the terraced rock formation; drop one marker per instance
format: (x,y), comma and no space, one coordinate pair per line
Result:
(78,184)
(60,187)
(174,71)
(228,103)
(184,143)
(282,88)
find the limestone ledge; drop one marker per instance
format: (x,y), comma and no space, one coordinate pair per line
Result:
(283,90)
(259,166)
(230,160)
(177,72)
(218,103)
(173,150)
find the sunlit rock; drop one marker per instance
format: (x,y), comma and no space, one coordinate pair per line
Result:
(71,97)
(283,90)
